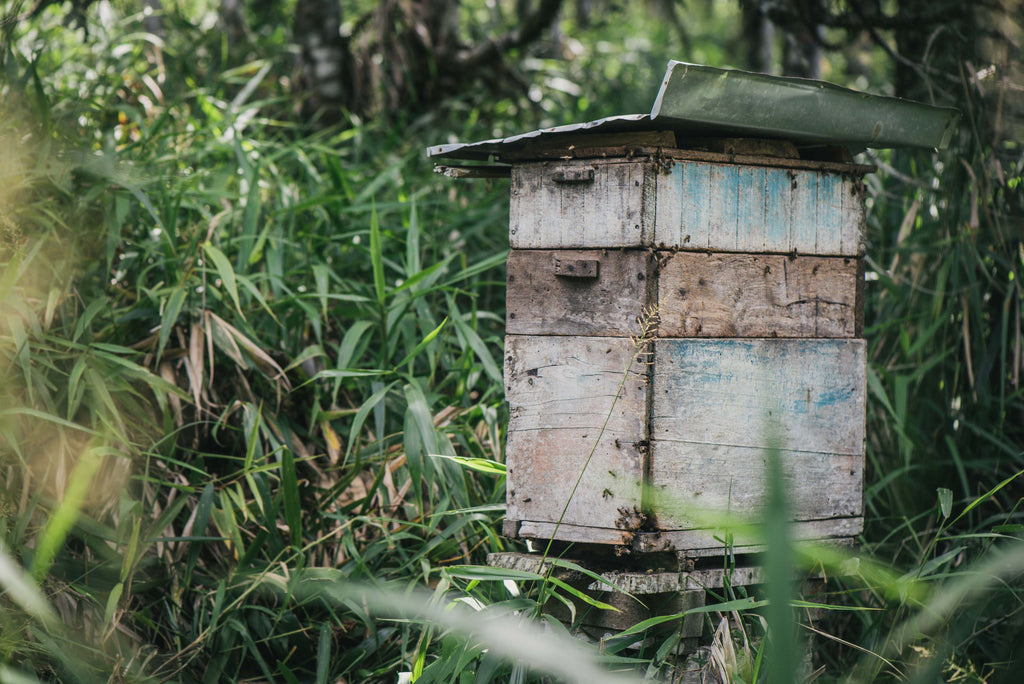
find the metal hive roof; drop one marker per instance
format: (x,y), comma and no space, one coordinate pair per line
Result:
(697,100)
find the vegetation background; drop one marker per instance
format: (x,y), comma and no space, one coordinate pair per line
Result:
(251,416)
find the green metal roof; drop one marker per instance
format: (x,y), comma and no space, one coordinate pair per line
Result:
(697,100)
(796,109)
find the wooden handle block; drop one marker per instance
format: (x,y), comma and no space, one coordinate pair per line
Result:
(576,268)
(573,175)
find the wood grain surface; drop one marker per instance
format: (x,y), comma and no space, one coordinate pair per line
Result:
(717,405)
(759,295)
(686,204)
(562,391)
(606,212)
(734,208)
(540,302)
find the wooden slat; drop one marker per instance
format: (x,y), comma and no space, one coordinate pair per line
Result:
(607,212)
(718,404)
(663,154)
(581,534)
(540,302)
(478,171)
(750,223)
(854,211)
(561,391)
(690,480)
(725,207)
(703,543)
(636,582)
(660,582)
(695,205)
(588,145)
(802,395)
(746,147)
(830,224)
(758,295)
(765,160)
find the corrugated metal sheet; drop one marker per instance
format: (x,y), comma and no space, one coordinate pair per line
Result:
(697,100)
(796,109)
(482,150)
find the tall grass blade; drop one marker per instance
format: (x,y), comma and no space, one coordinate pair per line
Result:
(422,344)
(292,498)
(986,496)
(504,634)
(170,316)
(21,589)
(226,273)
(377,258)
(783,655)
(62,519)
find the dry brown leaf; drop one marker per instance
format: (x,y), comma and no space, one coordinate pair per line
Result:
(167,374)
(332,441)
(194,364)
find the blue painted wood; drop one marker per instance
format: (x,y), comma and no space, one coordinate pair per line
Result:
(726,207)
(750,209)
(798,394)
(804,207)
(692,215)
(723,205)
(777,219)
(830,214)
(695,205)
(718,406)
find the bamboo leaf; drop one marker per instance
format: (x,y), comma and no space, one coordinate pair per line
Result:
(479,349)
(586,598)
(20,589)
(292,499)
(321,277)
(422,345)
(945,501)
(225,271)
(377,258)
(63,517)
(987,495)
(481,465)
(85,320)
(323,655)
(170,316)
(112,601)
(488,573)
(363,413)
(201,520)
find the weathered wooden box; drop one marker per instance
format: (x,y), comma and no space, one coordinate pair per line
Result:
(753,264)
(732,211)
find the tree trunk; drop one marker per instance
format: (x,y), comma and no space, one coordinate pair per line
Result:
(231,20)
(758,38)
(153,18)
(325,66)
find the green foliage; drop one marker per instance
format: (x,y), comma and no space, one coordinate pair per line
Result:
(251,417)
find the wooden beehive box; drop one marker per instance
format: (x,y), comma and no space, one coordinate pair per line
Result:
(749,249)
(753,263)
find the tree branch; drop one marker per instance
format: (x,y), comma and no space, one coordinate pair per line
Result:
(530,28)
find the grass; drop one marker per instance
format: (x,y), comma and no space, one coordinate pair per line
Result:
(251,417)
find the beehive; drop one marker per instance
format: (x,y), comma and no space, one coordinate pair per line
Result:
(753,264)
(680,302)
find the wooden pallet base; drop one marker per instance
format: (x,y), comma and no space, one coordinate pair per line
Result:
(652,585)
